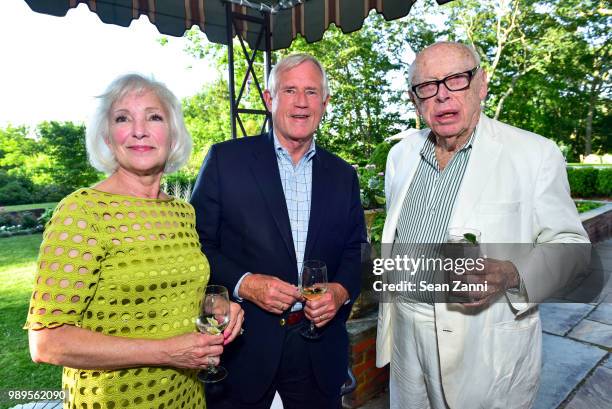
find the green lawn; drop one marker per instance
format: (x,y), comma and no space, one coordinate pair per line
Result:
(19,208)
(17,371)
(586,165)
(586,206)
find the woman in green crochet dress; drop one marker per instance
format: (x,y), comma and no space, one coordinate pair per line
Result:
(120,274)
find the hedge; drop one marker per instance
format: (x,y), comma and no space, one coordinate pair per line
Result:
(584,182)
(590,182)
(604,182)
(17,190)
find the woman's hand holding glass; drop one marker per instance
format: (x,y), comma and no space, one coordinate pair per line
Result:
(218,316)
(193,350)
(197,350)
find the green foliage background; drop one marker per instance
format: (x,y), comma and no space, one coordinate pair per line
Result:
(45,167)
(548,64)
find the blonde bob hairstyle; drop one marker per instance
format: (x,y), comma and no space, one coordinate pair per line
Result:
(98,132)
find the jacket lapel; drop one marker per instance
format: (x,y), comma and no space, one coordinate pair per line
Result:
(406,168)
(267,176)
(319,193)
(483,159)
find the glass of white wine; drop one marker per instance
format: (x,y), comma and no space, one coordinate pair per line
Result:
(213,319)
(314,285)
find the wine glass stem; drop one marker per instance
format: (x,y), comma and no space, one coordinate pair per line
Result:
(312,327)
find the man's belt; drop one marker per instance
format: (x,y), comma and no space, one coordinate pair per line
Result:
(295,317)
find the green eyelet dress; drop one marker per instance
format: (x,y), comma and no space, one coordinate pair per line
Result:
(128,267)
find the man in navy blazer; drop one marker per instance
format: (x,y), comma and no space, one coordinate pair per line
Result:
(263,205)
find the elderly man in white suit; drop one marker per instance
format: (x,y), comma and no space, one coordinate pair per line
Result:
(509,184)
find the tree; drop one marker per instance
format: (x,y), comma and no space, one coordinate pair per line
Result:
(65,145)
(25,169)
(548,64)
(589,23)
(14,189)
(207,114)
(15,147)
(207,120)
(364,108)
(217,95)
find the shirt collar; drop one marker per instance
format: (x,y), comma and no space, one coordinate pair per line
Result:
(282,152)
(429,153)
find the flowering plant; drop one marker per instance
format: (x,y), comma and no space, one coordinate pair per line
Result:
(372,186)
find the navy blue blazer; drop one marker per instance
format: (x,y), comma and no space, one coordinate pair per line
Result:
(243,223)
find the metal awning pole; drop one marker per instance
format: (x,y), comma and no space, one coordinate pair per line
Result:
(230,65)
(268,60)
(263,44)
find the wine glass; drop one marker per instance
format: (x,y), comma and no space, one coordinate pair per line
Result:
(314,285)
(213,319)
(463,235)
(461,242)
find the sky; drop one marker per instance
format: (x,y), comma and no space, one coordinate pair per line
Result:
(51,68)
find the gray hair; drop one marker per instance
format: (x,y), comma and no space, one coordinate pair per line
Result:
(101,156)
(467,48)
(293,61)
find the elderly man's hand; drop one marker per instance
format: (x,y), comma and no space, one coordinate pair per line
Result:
(269,293)
(498,275)
(324,309)
(234,327)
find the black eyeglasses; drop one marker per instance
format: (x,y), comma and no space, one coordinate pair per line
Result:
(454,82)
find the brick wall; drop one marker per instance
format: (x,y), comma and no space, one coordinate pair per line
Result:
(370,379)
(599,228)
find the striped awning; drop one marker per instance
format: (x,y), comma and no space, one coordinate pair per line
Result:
(310,18)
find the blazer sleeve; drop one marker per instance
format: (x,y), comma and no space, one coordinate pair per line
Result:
(562,248)
(207,201)
(349,270)
(556,217)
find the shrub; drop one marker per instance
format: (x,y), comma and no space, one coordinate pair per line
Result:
(180,177)
(14,193)
(50,193)
(372,187)
(28,221)
(6,220)
(18,231)
(604,182)
(14,189)
(377,228)
(379,156)
(45,217)
(583,181)
(179,185)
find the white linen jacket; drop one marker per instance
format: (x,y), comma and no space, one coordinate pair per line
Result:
(514,190)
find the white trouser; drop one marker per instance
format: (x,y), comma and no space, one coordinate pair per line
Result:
(415,381)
